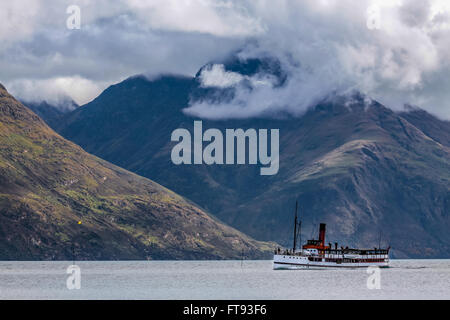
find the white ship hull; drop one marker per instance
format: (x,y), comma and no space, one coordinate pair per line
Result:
(292,262)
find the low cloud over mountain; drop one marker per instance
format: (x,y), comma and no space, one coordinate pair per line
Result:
(395,51)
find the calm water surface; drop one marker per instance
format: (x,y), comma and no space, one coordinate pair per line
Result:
(406,279)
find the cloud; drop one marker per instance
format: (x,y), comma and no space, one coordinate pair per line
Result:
(116,40)
(216,17)
(56,91)
(216,76)
(17,21)
(330,46)
(394,51)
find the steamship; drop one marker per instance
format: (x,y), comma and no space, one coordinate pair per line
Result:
(316,255)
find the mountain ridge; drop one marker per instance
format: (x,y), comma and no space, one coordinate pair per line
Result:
(56,200)
(350,161)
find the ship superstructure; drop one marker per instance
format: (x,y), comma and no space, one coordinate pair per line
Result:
(316,254)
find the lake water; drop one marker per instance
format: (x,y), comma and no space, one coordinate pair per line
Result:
(406,279)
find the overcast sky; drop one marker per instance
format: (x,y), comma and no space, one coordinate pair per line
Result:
(395,51)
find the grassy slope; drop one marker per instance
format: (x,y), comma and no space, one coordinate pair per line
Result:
(48,184)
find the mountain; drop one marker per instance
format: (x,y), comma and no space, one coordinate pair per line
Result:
(56,200)
(51,113)
(375,176)
(437,129)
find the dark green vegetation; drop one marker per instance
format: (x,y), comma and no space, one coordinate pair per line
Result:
(48,184)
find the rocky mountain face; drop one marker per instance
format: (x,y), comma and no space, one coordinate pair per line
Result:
(59,202)
(373,175)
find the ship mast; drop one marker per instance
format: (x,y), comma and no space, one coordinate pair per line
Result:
(295,228)
(300,233)
(296,232)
